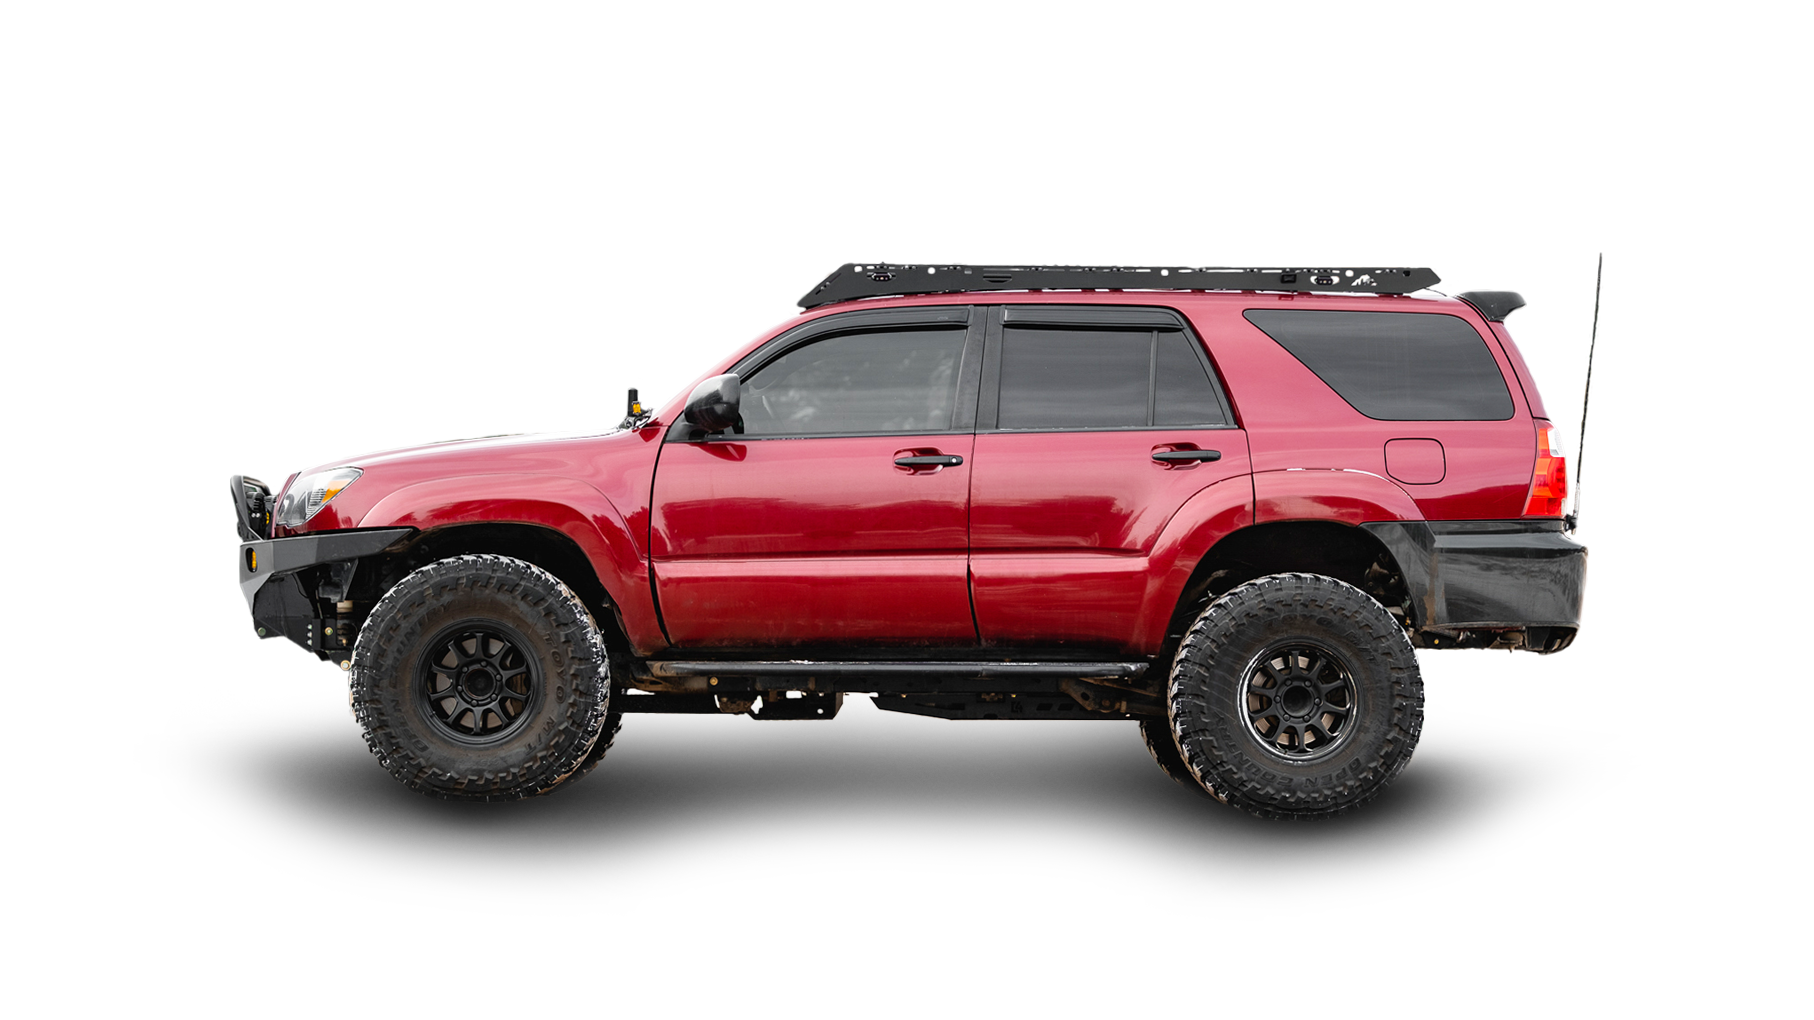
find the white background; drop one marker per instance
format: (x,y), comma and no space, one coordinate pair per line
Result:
(252,238)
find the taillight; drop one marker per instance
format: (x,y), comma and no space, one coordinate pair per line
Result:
(1549,479)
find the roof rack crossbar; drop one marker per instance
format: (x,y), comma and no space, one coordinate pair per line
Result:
(881,279)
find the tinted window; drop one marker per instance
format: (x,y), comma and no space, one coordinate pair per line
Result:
(1396,366)
(1101,379)
(1074,379)
(897,381)
(1185,396)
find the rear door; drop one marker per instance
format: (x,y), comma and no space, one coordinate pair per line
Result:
(837,512)
(1096,424)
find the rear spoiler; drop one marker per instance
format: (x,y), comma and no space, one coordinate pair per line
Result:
(1494,305)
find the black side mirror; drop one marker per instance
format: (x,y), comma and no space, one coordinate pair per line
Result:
(713,405)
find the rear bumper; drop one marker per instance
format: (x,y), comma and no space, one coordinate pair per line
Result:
(1508,584)
(292,584)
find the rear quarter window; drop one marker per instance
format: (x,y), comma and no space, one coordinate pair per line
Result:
(1395,366)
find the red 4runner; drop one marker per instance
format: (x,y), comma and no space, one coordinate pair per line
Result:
(1226,504)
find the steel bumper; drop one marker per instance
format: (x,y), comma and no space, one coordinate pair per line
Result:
(1477,582)
(292,584)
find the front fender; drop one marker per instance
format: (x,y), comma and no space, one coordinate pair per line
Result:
(566,505)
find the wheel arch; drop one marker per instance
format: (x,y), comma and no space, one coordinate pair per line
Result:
(502,506)
(1333,549)
(546,547)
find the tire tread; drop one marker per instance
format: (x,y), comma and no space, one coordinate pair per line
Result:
(1215,751)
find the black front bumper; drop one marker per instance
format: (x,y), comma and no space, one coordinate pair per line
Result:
(1506,584)
(293,585)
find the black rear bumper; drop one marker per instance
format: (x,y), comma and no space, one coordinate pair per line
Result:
(1506,584)
(292,585)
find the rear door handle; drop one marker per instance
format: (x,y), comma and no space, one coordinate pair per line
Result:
(1174,456)
(929,460)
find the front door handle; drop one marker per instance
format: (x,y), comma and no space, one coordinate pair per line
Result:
(1175,456)
(929,460)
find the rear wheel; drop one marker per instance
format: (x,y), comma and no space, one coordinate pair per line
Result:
(481,678)
(1295,696)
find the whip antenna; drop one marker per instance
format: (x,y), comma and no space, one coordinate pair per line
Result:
(1580,447)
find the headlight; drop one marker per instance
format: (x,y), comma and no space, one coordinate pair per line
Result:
(306,498)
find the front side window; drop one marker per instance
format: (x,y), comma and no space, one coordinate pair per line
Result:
(1395,366)
(1103,379)
(858,383)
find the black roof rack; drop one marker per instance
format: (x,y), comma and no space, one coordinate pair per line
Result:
(880,279)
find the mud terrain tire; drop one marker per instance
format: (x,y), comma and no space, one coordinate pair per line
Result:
(1295,696)
(1157,733)
(481,678)
(607,735)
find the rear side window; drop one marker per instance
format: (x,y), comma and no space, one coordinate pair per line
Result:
(858,383)
(1395,366)
(1183,394)
(1102,379)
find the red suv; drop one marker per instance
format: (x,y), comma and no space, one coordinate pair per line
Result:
(1226,504)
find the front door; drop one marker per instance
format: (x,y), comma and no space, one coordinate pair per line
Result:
(839,512)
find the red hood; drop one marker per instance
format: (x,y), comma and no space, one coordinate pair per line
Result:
(606,462)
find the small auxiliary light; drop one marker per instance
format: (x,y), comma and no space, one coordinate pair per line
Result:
(251,561)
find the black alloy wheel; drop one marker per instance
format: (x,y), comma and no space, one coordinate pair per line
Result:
(477,682)
(1299,699)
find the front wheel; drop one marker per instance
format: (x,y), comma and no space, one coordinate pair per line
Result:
(1295,696)
(481,678)
(1157,734)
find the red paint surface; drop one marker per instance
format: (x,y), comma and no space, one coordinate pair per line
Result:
(1061,538)
(792,541)
(1063,526)
(1295,421)
(1527,383)
(593,489)
(1415,461)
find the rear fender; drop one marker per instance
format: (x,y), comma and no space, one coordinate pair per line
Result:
(1341,495)
(1204,519)
(571,507)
